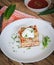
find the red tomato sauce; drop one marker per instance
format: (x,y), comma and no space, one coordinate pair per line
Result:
(37,4)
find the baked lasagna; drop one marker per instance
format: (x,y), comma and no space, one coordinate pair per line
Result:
(29,36)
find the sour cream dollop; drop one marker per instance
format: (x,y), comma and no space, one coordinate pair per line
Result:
(28,33)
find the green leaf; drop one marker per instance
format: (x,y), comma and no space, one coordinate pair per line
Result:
(9,11)
(45,41)
(49,11)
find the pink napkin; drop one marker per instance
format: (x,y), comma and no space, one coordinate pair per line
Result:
(15,16)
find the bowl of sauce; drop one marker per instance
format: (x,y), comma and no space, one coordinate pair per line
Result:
(37,5)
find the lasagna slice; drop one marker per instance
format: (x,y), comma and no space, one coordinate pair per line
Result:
(29,36)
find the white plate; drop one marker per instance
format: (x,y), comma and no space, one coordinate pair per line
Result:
(26,55)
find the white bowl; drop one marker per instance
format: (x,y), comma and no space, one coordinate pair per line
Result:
(37,10)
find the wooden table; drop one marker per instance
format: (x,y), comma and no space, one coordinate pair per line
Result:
(21,7)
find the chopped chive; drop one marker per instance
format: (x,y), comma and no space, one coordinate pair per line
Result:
(26,35)
(29,48)
(31,31)
(13,50)
(18,46)
(17,41)
(14,37)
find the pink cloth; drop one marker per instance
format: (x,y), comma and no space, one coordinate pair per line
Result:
(15,16)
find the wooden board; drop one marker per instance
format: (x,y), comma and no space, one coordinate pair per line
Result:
(21,7)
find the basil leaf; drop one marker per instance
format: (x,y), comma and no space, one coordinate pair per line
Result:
(49,11)
(45,41)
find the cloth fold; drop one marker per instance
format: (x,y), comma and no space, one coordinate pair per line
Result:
(15,16)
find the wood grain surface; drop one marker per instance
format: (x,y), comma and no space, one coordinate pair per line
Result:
(21,7)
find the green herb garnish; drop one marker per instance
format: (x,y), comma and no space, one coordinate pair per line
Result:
(18,46)
(45,41)
(31,31)
(13,50)
(49,11)
(29,48)
(9,11)
(26,36)
(17,41)
(14,37)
